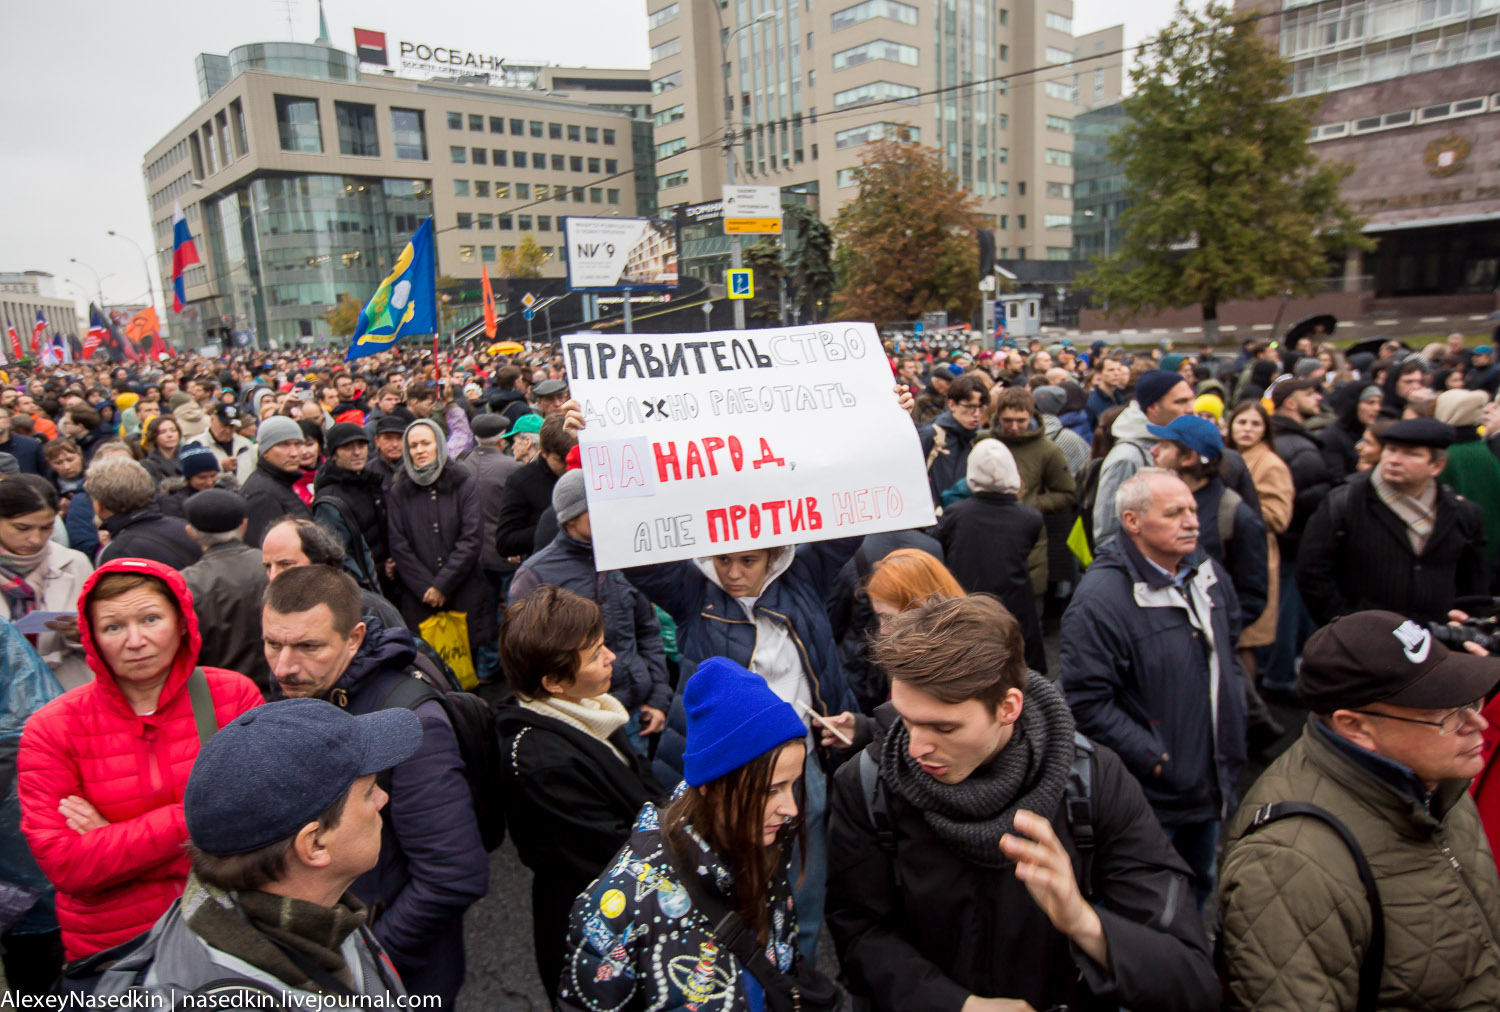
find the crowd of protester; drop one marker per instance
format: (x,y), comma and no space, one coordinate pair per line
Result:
(294,643)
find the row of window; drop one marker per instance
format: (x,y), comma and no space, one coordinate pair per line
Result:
(486,222)
(544,191)
(855,136)
(875,91)
(299,128)
(893,10)
(1406,117)
(879,49)
(176,153)
(533,128)
(487,253)
(500,158)
(658,18)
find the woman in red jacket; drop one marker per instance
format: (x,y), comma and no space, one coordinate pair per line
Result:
(102,768)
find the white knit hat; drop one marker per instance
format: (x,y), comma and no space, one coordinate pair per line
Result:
(992,468)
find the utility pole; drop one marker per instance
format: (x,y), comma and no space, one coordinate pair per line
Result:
(735,259)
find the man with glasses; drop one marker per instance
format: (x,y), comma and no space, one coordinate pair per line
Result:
(946,441)
(1393,742)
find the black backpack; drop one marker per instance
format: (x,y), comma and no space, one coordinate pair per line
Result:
(1078,798)
(474,727)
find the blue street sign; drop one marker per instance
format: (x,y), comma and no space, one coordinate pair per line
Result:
(741,284)
(529,313)
(917,328)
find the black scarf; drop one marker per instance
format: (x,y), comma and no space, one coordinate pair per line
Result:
(1030,773)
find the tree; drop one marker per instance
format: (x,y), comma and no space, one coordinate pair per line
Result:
(809,262)
(1226,200)
(906,243)
(764,260)
(344,317)
(525,261)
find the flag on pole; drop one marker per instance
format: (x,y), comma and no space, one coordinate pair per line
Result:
(405,301)
(490,325)
(61,353)
(97,332)
(38,331)
(16,351)
(184,255)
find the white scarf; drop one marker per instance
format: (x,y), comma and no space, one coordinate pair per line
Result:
(598,717)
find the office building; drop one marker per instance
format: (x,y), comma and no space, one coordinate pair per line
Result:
(23,294)
(808,88)
(302,176)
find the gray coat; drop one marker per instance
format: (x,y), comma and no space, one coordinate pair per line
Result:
(435,539)
(228,584)
(491,468)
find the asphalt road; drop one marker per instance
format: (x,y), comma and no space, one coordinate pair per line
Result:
(502,974)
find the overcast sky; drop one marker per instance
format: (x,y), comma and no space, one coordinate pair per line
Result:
(86,89)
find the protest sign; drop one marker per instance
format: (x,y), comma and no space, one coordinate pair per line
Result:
(706,444)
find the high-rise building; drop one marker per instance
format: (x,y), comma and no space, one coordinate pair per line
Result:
(802,87)
(302,178)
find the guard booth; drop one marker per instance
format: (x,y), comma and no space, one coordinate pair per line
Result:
(1021,313)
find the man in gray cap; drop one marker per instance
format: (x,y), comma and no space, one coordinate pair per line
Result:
(283,813)
(550,395)
(268,490)
(227,585)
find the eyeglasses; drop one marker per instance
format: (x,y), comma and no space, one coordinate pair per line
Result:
(967,406)
(1449,724)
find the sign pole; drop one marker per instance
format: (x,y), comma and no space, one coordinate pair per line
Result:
(626,293)
(735,262)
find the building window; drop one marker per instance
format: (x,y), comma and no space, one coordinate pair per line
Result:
(1059,124)
(466,254)
(559,163)
(876,91)
(613,196)
(855,136)
(1055,55)
(1004,17)
(543,191)
(667,83)
(906,14)
(594,163)
(497,126)
(465,220)
(538,128)
(609,137)
(458,154)
(1061,191)
(611,166)
(1004,221)
(460,187)
(578,195)
(455,121)
(502,190)
(481,188)
(1021,223)
(518,159)
(518,128)
(505,223)
(671,115)
(845,177)
(591,134)
(297,125)
(523,191)
(241,144)
(672,179)
(658,18)
(1002,155)
(538,160)
(479,155)
(662,50)
(476,123)
(1059,22)
(1056,157)
(486,222)
(1021,189)
(1059,90)
(409,135)
(1004,52)
(575,132)
(560,193)
(487,253)
(596,195)
(498,156)
(544,223)
(524,222)
(880,49)
(554,131)
(1058,220)
(575,163)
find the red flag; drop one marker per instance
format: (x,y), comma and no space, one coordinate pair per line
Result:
(38,333)
(17,352)
(490,325)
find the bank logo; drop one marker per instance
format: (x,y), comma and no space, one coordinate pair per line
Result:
(1446,155)
(370,46)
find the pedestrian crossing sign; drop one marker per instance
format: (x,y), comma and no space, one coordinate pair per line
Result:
(741,284)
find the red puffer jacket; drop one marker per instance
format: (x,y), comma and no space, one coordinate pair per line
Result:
(113,882)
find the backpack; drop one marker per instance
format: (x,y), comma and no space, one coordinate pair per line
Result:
(474,727)
(1374,962)
(1078,804)
(1088,492)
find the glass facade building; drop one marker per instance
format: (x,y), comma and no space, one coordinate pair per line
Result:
(1098,182)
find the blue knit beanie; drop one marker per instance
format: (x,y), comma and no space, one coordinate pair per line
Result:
(733,717)
(1153,386)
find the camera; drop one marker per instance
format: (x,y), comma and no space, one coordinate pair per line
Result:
(1483,631)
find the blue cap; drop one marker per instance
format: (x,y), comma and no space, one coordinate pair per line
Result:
(952,370)
(1198,434)
(1484,349)
(275,768)
(733,717)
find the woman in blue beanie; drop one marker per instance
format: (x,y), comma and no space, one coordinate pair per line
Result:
(650,932)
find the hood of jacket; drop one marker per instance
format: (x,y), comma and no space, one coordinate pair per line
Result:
(119,521)
(331,474)
(187,652)
(781,560)
(957,434)
(1031,435)
(1131,424)
(382,650)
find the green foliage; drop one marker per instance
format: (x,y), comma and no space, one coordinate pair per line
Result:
(525,261)
(1226,200)
(809,261)
(906,243)
(764,258)
(344,317)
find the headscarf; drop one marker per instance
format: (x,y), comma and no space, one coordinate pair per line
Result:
(424,476)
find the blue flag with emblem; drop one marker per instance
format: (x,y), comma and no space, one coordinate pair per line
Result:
(405,302)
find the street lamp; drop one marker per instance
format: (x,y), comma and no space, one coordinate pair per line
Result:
(145,265)
(98,283)
(729,138)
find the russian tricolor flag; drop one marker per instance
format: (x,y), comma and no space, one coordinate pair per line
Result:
(184,255)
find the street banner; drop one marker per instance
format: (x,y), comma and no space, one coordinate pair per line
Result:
(608,254)
(707,444)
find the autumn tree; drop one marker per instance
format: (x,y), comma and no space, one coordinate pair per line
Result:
(906,243)
(525,261)
(1226,199)
(344,317)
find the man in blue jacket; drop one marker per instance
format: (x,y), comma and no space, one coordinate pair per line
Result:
(631,631)
(433,863)
(1149,668)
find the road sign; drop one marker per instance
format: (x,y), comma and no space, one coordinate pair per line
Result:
(752,210)
(917,328)
(741,284)
(529,313)
(987,283)
(528,300)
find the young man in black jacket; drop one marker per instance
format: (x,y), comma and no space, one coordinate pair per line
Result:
(964,873)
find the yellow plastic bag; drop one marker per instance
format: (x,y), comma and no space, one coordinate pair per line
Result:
(1078,541)
(447,632)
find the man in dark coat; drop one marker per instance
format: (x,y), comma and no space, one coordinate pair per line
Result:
(505,397)
(124,500)
(1394,538)
(350,502)
(26,450)
(432,861)
(943,894)
(528,491)
(1149,666)
(945,464)
(491,467)
(269,489)
(227,585)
